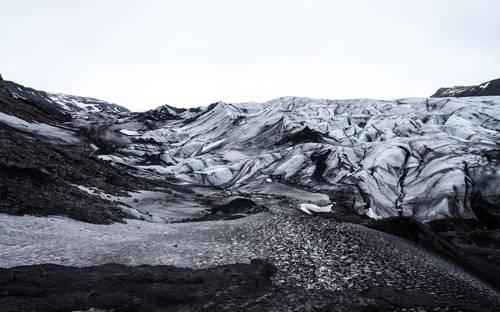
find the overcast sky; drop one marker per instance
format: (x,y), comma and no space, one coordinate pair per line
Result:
(142,54)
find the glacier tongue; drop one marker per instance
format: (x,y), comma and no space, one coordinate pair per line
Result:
(415,156)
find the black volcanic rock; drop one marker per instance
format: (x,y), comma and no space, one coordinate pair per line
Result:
(454,239)
(144,288)
(37,178)
(234,287)
(30,108)
(490,88)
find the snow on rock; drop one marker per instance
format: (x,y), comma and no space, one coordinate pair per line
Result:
(78,103)
(311,208)
(489,88)
(129,132)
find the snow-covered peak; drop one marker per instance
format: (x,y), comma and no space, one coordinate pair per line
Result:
(74,103)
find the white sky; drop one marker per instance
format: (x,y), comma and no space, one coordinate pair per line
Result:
(142,54)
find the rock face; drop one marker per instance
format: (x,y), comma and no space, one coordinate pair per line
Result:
(65,102)
(490,88)
(3,88)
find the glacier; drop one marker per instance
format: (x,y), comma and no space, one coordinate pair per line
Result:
(416,157)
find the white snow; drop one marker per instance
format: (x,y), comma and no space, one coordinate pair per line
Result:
(311,208)
(484,85)
(129,132)
(41,129)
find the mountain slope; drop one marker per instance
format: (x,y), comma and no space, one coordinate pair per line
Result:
(65,102)
(489,88)
(47,158)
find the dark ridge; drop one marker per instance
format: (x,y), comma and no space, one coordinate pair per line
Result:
(161,113)
(490,88)
(42,97)
(31,104)
(33,108)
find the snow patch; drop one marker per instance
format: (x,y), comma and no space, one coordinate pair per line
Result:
(39,128)
(311,208)
(129,132)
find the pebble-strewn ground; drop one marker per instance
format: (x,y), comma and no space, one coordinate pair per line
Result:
(319,254)
(310,253)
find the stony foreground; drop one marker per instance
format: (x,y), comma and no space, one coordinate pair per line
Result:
(314,264)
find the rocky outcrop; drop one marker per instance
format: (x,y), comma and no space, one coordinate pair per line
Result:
(30,108)
(3,89)
(65,102)
(144,288)
(39,178)
(489,88)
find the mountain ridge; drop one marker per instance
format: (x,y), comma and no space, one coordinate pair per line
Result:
(489,88)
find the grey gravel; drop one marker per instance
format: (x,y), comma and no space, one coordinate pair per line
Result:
(309,252)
